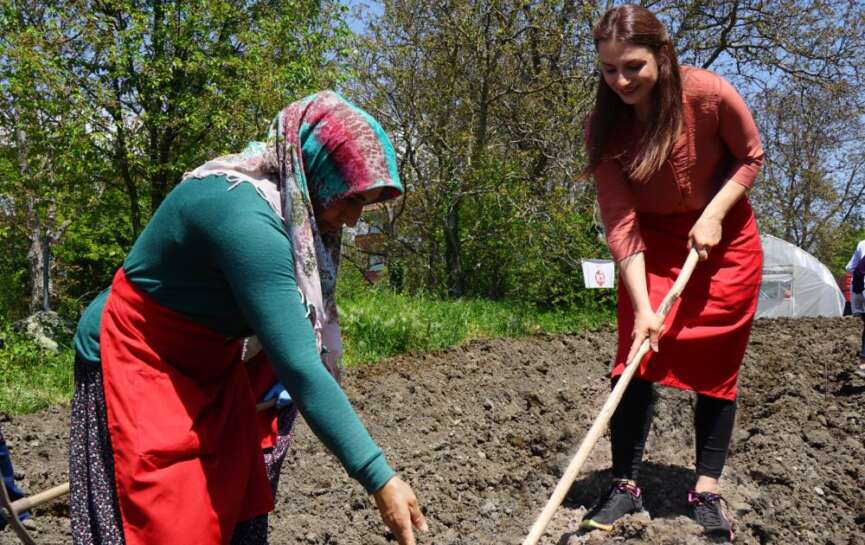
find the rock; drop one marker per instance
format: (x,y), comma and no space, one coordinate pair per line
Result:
(819,439)
(46,329)
(488,507)
(632,526)
(742,508)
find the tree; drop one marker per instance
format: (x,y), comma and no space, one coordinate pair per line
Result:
(814,182)
(173,83)
(488,98)
(42,143)
(817,41)
(799,65)
(472,86)
(101,98)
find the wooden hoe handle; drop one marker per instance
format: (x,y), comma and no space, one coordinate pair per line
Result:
(11,516)
(607,410)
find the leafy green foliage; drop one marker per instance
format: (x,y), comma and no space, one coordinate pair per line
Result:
(13,271)
(841,249)
(519,243)
(103,106)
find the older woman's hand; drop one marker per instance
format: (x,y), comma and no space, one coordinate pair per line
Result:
(399,510)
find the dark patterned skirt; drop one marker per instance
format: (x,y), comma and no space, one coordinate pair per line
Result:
(93,504)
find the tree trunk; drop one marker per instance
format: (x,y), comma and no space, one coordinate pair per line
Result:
(35,252)
(132,192)
(160,183)
(121,161)
(155,105)
(35,257)
(453,249)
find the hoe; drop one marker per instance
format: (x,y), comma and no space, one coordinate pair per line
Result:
(607,410)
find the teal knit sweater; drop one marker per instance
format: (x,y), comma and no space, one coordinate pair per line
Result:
(223,259)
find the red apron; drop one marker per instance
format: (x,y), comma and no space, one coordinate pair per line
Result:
(707,330)
(181,416)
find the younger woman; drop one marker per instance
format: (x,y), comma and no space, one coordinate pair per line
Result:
(673,151)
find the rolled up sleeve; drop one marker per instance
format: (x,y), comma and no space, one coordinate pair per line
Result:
(618,211)
(740,134)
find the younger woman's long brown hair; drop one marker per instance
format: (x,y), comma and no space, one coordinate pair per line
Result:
(638,26)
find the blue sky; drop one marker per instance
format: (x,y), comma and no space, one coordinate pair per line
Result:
(369,5)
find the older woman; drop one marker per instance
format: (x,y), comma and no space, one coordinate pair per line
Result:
(165,445)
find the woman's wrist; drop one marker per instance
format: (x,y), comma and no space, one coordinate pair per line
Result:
(712,215)
(643,308)
(381,487)
(375,474)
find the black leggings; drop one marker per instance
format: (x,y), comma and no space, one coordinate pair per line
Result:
(629,427)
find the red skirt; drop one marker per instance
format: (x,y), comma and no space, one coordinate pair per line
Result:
(707,330)
(181,415)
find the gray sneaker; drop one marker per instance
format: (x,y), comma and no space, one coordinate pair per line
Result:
(705,508)
(623,498)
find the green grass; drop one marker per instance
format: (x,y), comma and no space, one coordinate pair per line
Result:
(376,324)
(32,378)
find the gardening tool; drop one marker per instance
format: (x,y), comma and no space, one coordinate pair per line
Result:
(607,410)
(11,515)
(11,509)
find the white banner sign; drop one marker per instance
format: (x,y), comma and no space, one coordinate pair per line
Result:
(599,273)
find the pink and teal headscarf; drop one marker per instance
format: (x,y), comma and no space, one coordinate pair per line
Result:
(343,149)
(320,149)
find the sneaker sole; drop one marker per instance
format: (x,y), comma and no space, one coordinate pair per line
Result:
(594,525)
(726,535)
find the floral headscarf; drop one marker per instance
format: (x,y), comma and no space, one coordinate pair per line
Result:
(319,149)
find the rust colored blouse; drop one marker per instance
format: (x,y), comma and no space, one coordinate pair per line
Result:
(719,142)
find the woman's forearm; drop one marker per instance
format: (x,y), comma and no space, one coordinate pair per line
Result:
(708,230)
(724,200)
(634,276)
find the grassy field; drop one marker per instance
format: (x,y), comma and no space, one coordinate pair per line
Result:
(376,324)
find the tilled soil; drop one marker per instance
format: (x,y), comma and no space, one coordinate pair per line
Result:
(484,431)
